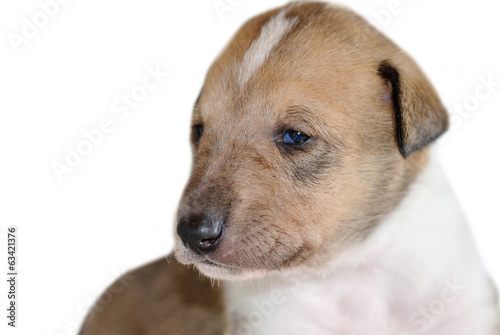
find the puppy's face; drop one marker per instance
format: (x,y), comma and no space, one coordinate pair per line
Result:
(308,130)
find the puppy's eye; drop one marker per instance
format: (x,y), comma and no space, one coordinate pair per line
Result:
(295,137)
(197,132)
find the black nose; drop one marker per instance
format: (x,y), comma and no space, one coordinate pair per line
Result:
(200,233)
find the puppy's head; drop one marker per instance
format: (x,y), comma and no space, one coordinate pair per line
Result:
(308,130)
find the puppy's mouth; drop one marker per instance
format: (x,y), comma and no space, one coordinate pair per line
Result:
(216,269)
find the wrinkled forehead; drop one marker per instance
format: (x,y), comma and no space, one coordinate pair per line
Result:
(264,104)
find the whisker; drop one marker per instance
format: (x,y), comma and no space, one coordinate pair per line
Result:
(352,228)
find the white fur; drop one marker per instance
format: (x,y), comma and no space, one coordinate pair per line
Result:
(418,273)
(271,34)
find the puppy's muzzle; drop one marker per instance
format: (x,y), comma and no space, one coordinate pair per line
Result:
(200,233)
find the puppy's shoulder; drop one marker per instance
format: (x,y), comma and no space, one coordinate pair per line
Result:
(162,297)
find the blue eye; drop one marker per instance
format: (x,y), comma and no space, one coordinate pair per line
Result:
(295,137)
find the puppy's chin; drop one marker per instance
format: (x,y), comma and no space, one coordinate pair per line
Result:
(224,272)
(215,270)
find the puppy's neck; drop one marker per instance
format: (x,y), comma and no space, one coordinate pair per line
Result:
(374,284)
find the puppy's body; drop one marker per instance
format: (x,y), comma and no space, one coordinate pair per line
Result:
(311,190)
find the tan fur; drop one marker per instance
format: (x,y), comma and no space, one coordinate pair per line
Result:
(323,78)
(332,77)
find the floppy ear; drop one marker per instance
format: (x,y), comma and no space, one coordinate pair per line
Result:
(418,113)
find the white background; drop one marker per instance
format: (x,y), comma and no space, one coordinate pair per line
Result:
(115,211)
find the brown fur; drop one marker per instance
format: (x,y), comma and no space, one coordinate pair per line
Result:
(369,111)
(162,297)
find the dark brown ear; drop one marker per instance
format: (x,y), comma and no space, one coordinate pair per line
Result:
(419,114)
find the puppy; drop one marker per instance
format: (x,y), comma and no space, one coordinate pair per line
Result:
(313,197)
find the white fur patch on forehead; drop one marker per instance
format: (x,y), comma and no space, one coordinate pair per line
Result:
(271,34)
